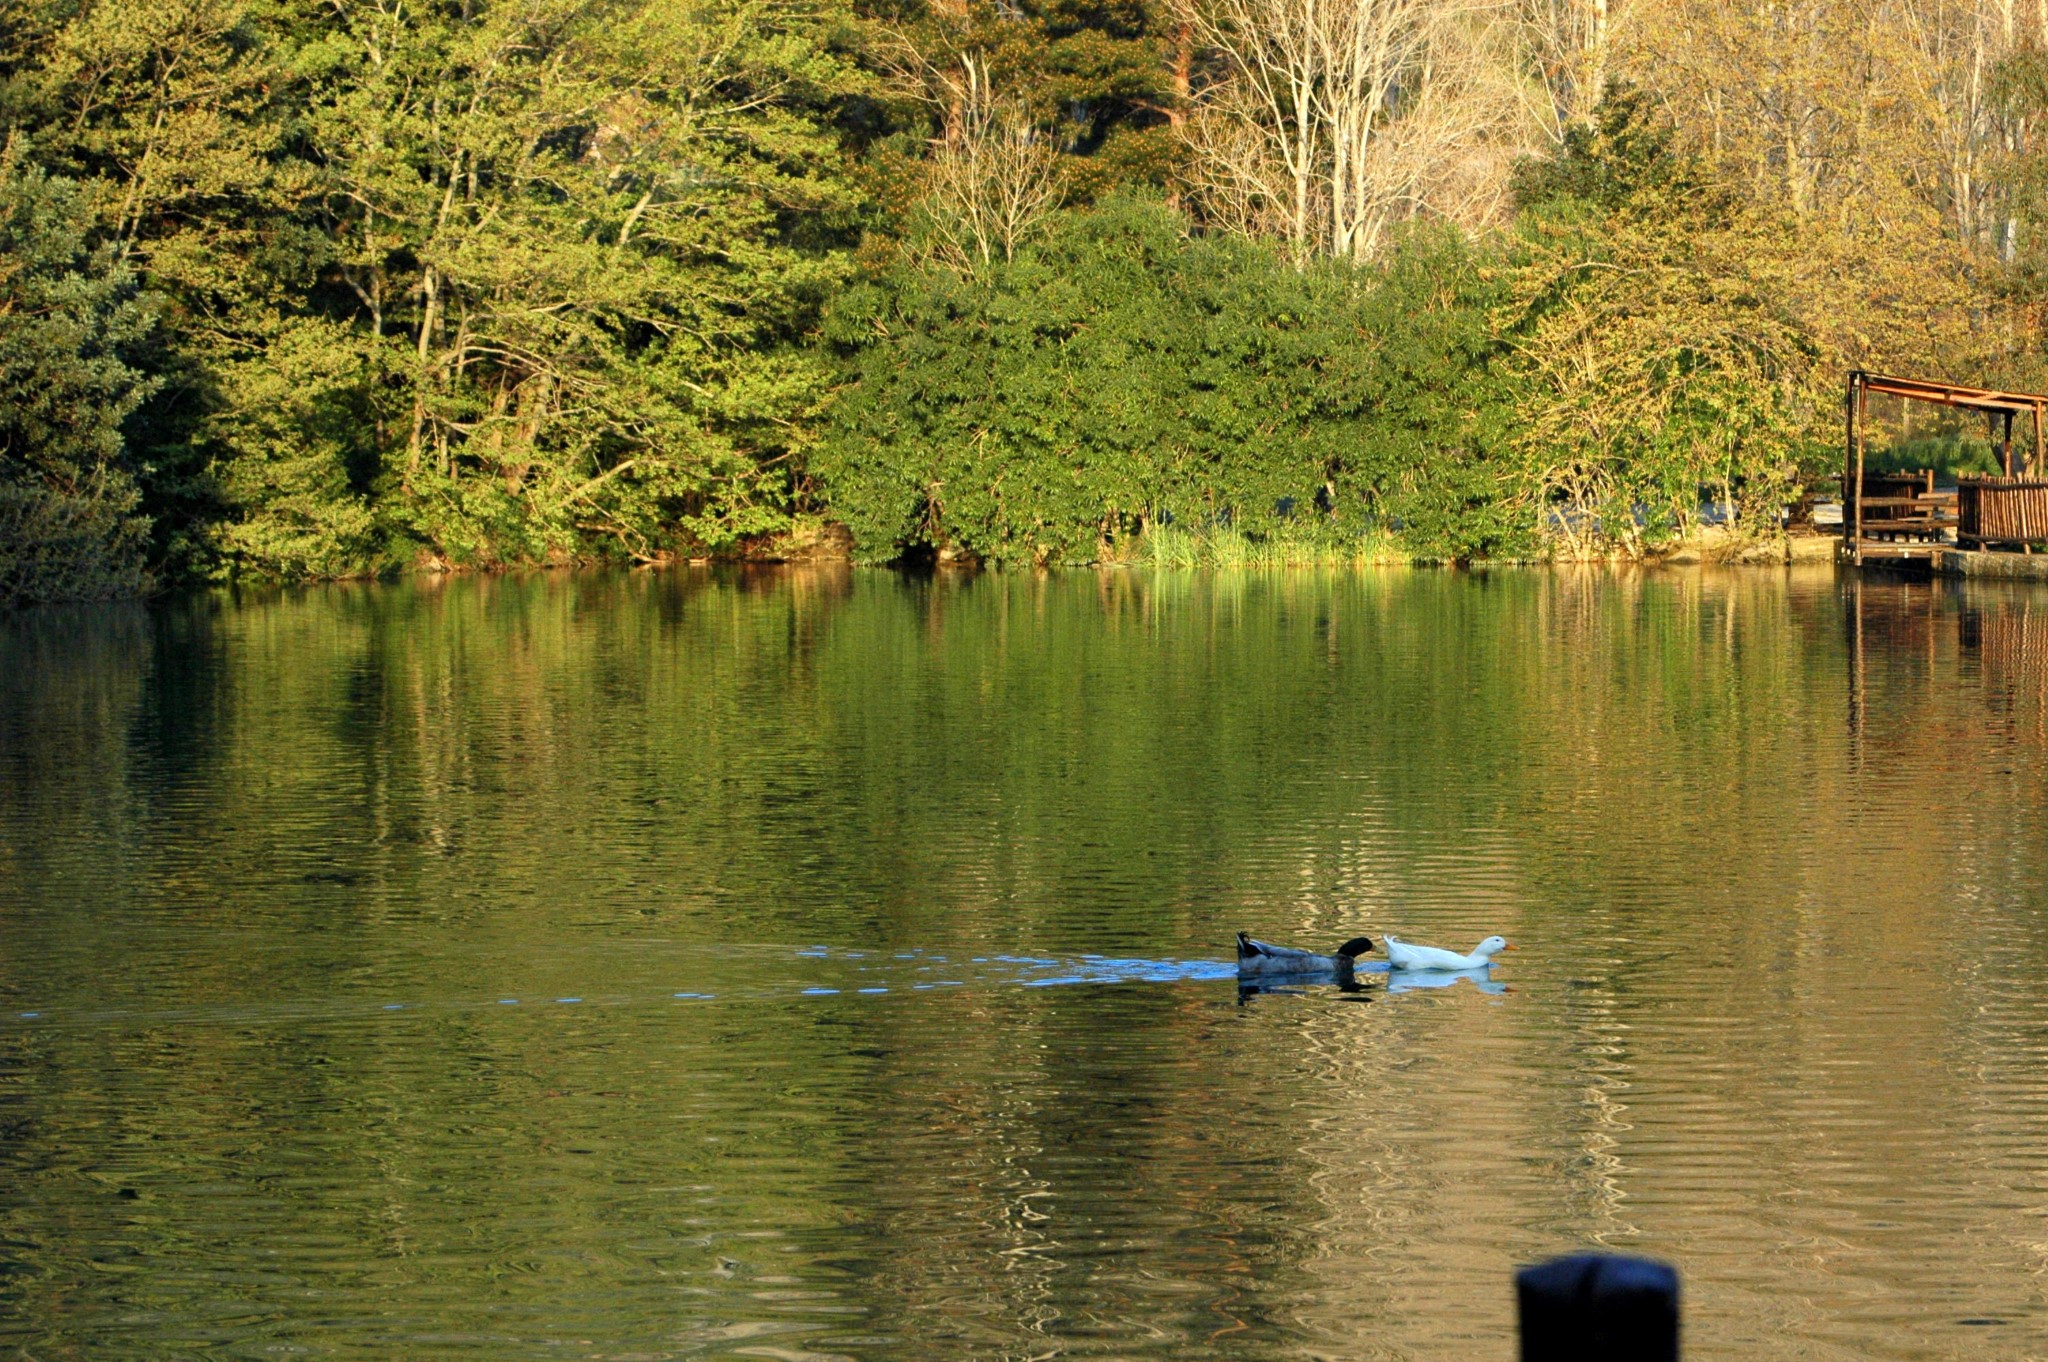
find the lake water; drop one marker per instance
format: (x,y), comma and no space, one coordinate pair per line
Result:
(818,964)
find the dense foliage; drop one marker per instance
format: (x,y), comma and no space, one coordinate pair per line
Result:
(69,317)
(1121,375)
(1633,345)
(305,289)
(1656,345)
(476,284)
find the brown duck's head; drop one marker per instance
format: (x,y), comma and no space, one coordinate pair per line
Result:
(1356,946)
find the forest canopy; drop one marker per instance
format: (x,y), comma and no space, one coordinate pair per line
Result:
(294,290)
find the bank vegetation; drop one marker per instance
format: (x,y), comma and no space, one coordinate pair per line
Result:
(313,288)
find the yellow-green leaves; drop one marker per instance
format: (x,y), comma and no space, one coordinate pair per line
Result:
(484,283)
(1654,347)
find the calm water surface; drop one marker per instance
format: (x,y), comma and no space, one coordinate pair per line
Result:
(824,965)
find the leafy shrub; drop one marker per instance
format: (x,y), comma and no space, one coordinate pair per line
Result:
(1121,376)
(1656,352)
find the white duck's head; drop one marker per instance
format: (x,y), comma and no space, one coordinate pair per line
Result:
(1493,945)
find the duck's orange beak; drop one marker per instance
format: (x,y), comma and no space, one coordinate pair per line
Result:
(1510,946)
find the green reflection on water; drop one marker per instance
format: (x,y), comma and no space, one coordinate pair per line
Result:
(272,871)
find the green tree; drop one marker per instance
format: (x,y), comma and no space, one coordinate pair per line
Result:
(471,283)
(1098,88)
(171,119)
(561,245)
(69,313)
(1657,351)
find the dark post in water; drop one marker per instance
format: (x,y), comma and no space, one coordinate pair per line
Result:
(1598,1307)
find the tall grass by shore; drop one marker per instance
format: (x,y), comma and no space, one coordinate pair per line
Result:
(1223,546)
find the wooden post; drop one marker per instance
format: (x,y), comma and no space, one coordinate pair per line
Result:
(2034,460)
(1852,484)
(1848,467)
(1598,1306)
(2005,457)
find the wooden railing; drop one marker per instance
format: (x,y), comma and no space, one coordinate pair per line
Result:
(2008,511)
(1896,512)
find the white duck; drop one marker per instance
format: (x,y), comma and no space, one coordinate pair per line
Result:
(1263,958)
(1401,955)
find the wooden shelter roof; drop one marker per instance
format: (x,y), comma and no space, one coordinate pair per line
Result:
(1950,394)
